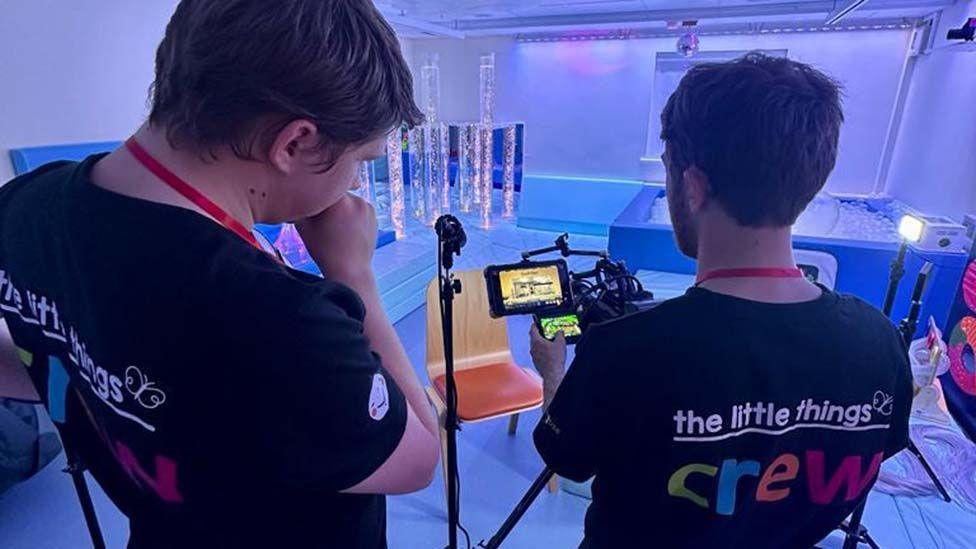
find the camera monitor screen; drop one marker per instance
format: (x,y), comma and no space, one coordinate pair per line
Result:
(568,324)
(527,287)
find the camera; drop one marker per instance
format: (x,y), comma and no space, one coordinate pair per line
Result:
(562,300)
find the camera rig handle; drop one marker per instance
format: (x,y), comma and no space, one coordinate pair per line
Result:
(562,246)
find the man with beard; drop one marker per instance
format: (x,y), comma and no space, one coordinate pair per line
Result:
(755,410)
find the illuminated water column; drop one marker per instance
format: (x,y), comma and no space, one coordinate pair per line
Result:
(434,140)
(487,104)
(444,153)
(418,196)
(467,181)
(508,172)
(367,182)
(433,169)
(475,137)
(394,159)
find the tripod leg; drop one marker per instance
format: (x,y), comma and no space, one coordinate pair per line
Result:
(77,473)
(854,528)
(928,469)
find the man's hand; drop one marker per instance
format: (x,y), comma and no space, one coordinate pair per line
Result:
(342,239)
(549,358)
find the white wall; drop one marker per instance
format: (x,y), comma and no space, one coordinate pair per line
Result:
(586,104)
(75,71)
(934,163)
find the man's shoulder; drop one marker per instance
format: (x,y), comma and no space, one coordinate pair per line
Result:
(39,180)
(659,316)
(855,312)
(242,278)
(857,305)
(645,328)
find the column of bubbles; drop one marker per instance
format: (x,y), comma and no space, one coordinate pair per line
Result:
(433,169)
(434,140)
(394,159)
(444,152)
(475,143)
(468,165)
(508,172)
(418,198)
(487,109)
(367,182)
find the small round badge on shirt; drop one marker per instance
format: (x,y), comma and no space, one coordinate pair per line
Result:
(379,398)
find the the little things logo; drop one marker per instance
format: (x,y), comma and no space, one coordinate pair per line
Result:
(379,398)
(827,477)
(38,310)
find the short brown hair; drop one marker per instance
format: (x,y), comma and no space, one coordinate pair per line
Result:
(763,129)
(234,72)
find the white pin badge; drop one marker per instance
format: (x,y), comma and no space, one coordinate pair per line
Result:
(379,398)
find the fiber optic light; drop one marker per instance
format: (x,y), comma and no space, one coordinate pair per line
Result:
(911,228)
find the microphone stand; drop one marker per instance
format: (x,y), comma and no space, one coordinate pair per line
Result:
(450,240)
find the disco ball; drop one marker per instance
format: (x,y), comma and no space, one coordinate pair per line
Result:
(687,45)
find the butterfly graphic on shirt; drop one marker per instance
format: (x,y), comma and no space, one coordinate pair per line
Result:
(882,403)
(142,390)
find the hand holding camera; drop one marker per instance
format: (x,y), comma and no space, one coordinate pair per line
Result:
(549,359)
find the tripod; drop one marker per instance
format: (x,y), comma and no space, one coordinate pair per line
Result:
(77,471)
(856,533)
(450,240)
(520,509)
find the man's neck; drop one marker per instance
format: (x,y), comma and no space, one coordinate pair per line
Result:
(723,244)
(222,181)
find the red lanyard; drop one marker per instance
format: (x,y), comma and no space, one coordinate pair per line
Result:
(174,182)
(755,272)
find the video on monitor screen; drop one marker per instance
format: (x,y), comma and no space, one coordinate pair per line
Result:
(568,324)
(531,287)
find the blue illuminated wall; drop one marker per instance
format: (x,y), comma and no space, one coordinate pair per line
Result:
(586,105)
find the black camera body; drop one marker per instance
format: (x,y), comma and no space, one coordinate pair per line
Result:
(561,300)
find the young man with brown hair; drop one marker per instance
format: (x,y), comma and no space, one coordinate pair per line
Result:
(755,410)
(221,398)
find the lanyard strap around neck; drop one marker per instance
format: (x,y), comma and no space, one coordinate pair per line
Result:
(753,272)
(174,182)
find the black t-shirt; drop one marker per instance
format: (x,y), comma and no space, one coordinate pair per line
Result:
(714,421)
(225,399)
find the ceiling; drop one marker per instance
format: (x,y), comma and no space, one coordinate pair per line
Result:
(463,18)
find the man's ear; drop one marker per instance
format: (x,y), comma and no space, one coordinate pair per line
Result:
(697,189)
(292,143)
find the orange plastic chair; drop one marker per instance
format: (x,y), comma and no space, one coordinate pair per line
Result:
(489,382)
